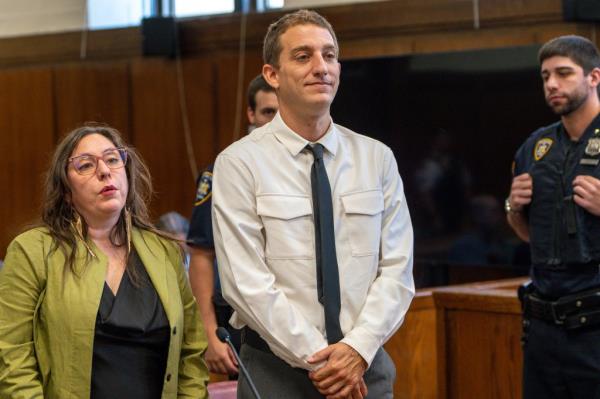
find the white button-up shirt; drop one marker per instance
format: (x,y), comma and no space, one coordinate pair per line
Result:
(265,239)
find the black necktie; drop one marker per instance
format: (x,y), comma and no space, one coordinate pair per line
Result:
(328,279)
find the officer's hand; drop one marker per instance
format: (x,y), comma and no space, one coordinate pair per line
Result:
(521,191)
(587,193)
(341,376)
(219,357)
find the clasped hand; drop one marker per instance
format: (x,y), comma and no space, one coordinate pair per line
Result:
(342,375)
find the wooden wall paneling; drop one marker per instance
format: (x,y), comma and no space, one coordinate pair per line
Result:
(92,92)
(460,342)
(226,65)
(200,87)
(28,138)
(463,39)
(494,37)
(441,348)
(157,132)
(532,10)
(484,359)
(482,335)
(375,20)
(66,46)
(355,23)
(415,351)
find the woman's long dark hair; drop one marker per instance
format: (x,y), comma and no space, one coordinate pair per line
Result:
(57,212)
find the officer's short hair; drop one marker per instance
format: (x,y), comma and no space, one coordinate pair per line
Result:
(579,49)
(258,84)
(272,44)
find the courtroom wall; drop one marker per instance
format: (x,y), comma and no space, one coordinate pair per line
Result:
(46,89)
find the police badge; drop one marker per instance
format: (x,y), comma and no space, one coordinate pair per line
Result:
(204,190)
(541,148)
(593,147)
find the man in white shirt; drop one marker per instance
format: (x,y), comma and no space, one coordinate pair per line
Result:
(271,227)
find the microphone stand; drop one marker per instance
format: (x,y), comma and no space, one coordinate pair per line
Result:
(224,337)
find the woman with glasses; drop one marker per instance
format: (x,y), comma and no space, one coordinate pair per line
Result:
(95,303)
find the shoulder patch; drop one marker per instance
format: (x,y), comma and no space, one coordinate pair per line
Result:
(204,190)
(542,147)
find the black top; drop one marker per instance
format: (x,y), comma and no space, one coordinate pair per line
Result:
(564,237)
(131,342)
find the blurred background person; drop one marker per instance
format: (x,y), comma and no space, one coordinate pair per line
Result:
(485,240)
(262,102)
(443,181)
(94,302)
(215,311)
(176,224)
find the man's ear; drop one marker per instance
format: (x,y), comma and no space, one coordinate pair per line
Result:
(270,74)
(251,115)
(595,77)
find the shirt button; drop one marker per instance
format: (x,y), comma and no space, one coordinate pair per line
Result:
(174,330)
(168,377)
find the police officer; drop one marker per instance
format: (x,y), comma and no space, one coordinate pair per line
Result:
(215,312)
(554,203)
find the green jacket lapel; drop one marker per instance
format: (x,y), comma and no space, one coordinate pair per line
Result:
(153,256)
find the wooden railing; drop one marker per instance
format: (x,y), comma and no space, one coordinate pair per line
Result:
(460,342)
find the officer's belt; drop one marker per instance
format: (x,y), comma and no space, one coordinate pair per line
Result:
(572,311)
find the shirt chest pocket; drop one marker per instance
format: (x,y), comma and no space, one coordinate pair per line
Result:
(363,211)
(289,227)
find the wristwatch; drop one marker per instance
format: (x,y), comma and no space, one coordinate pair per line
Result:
(508,208)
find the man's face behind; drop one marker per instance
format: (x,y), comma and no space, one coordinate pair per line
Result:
(308,75)
(566,87)
(266,108)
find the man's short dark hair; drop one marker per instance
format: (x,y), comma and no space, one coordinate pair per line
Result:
(579,49)
(258,84)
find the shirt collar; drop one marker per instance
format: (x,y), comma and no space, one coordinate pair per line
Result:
(296,143)
(592,130)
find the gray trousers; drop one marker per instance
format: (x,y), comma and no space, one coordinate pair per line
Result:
(275,379)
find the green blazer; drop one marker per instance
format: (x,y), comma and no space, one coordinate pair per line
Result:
(48,318)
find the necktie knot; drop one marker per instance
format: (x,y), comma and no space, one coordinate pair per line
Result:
(317,151)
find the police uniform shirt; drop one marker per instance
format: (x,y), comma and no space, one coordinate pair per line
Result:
(265,241)
(200,233)
(564,237)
